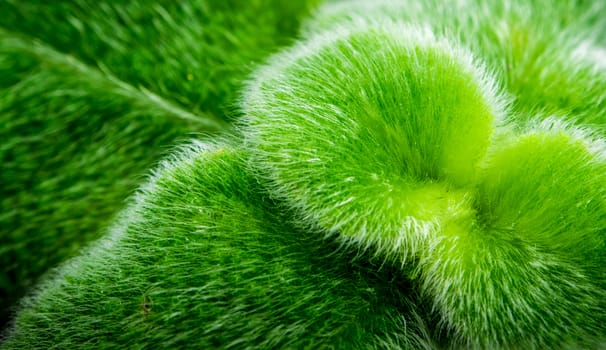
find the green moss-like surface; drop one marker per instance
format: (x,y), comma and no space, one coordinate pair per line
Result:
(195,53)
(93,93)
(406,175)
(398,101)
(399,142)
(203,259)
(75,145)
(545,53)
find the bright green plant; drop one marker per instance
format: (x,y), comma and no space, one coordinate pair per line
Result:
(204,259)
(92,93)
(401,178)
(194,53)
(395,141)
(543,52)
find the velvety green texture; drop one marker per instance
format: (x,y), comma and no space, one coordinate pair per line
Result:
(195,53)
(408,174)
(399,142)
(75,146)
(204,259)
(92,93)
(548,55)
(376,110)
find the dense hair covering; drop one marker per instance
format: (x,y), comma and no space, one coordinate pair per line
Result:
(203,259)
(405,175)
(549,55)
(93,93)
(396,141)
